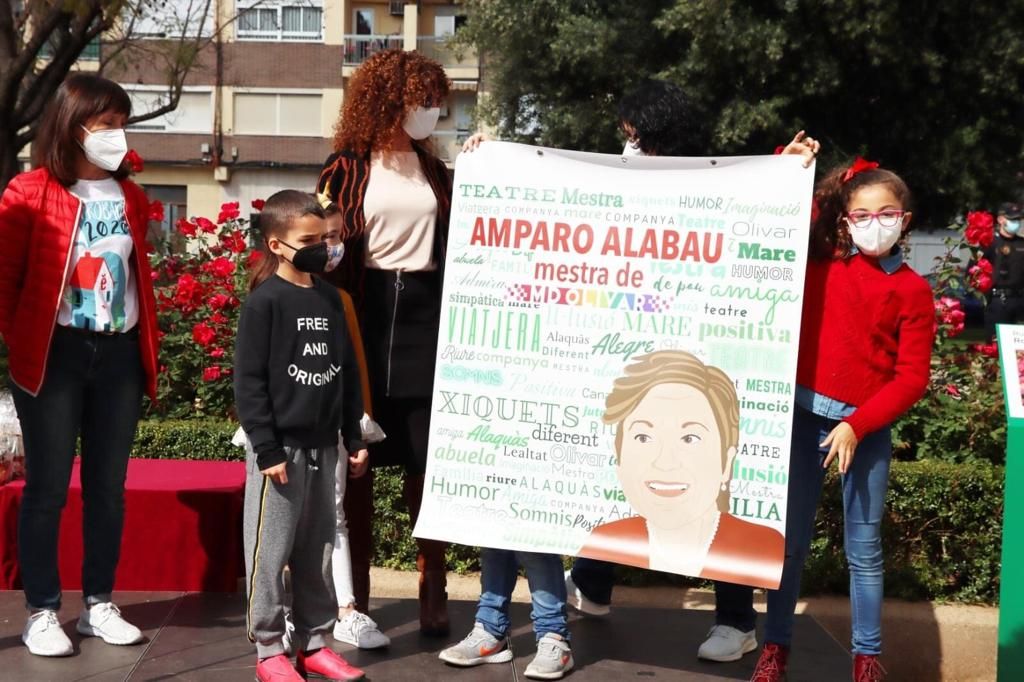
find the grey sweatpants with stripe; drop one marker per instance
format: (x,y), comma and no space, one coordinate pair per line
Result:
(290,525)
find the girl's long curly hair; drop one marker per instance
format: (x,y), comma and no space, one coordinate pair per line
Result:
(830,237)
(379,94)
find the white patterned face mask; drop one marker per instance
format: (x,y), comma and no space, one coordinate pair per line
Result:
(105,149)
(633,149)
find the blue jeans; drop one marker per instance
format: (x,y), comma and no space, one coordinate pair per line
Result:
(93,389)
(544,573)
(734,604)
(864,488)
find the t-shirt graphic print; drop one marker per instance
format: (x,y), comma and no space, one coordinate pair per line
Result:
(100,292)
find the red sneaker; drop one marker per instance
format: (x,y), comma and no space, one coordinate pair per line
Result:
(867,669)
(326,665)
(771,667)
(276,669)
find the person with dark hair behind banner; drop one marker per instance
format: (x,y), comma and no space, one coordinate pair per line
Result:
(659,119)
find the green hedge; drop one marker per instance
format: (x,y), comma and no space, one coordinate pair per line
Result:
(186,439)
(942,533)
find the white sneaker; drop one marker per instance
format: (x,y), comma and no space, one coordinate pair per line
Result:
(725,643)
(104,620)
(576,599)
(553,659)
(360,630)
(44,636)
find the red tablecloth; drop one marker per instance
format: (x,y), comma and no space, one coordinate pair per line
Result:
(182,528)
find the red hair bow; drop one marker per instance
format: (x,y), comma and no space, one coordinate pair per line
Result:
(859,166)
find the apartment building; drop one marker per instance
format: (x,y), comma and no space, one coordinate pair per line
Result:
(258,109)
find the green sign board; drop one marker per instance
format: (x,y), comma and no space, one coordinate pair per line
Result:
(1011,594)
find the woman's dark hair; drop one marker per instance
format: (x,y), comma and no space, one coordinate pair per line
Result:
(830,238)
(278,213)
(665,119)
(79,98)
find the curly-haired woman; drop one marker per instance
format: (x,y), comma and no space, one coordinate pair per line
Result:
(395,199)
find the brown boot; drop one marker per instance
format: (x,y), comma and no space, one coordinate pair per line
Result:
(431,565)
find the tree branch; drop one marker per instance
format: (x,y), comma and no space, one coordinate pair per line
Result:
(87,28)
(26,59)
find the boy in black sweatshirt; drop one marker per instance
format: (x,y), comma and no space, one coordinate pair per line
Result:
(296,387)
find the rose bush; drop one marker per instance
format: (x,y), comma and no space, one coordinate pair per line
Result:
(199,292)
(961,417)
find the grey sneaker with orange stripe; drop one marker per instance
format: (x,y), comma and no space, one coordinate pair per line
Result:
(553,659)
(478,647)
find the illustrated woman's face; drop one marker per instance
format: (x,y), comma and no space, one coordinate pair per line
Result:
(670,464)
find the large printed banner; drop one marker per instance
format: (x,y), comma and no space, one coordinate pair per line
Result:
(616,358)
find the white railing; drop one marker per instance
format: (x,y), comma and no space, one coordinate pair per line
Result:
(359,48)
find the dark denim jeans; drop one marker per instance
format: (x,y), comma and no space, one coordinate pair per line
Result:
(93,390)
(734,604)
(544,573)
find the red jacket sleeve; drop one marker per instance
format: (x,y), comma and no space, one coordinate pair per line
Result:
(913,365)
(15,233)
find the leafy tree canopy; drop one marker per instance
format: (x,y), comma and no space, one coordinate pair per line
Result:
(931,90)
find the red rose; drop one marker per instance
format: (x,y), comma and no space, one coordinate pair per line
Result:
(258,204)
(203,335)
(189,294)
(186,228)
(981,275)
(217,353)
(134,161)
(211,373)
(950,313)
(218,318)
(989,349)
(234,242)
(253,259)
(206,226)
(980,228)
(228,211)
(952,390)
(221,267)
(219,301)
(156,210)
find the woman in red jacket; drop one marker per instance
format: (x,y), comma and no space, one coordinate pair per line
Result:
(78,315)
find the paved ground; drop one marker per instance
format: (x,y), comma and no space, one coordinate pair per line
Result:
(201,637)
(652,634)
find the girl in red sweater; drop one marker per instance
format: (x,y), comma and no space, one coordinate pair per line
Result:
(865,348)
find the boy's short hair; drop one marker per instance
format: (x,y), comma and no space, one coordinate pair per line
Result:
(284,207)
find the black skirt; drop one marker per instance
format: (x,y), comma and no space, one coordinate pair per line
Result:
(401,317)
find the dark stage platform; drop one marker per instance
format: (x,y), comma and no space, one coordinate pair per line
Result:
(202,637)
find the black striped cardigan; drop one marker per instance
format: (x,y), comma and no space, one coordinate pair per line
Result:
(344,179)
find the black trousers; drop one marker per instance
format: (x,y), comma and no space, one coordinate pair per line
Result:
(92,389)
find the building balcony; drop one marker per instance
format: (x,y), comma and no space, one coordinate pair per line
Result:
(462,64)
(358,48)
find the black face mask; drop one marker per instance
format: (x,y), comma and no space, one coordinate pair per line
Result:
(312,259)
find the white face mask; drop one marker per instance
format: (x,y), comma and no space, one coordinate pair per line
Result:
(632,149)
(334,255)
(105,148)
(875,240)
(420,122)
